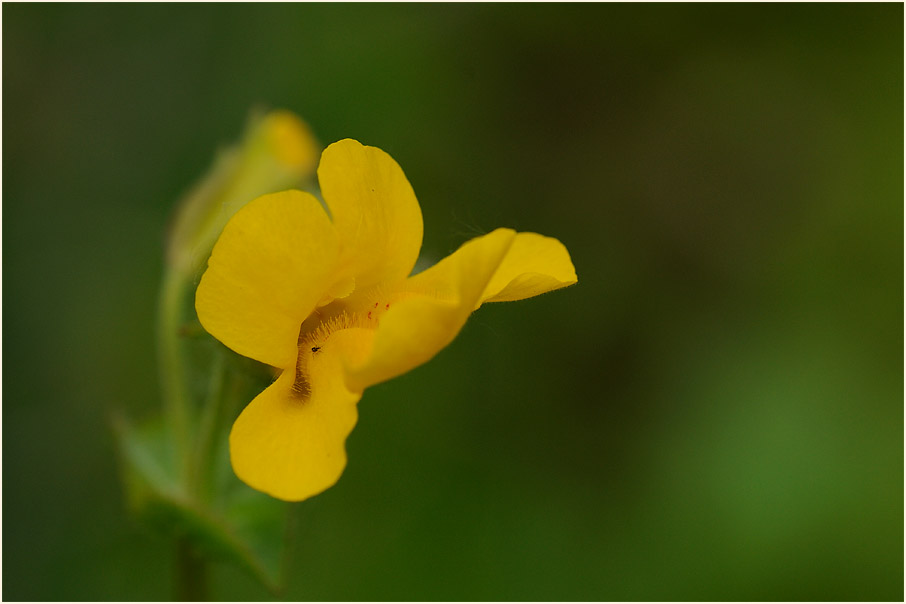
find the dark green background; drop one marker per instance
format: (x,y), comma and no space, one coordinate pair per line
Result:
(714,412)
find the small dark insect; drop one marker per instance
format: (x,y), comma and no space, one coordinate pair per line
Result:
(315,348)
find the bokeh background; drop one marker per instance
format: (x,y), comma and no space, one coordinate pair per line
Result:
(714,412)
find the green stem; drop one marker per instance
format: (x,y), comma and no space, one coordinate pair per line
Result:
(208,425)
(191,573)
(191,569)
(172,365)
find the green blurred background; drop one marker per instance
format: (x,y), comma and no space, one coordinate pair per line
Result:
(714,412)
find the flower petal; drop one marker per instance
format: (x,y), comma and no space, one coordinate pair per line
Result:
(374,210)
(431,310)
(535,264)
(271,265)
(292,446)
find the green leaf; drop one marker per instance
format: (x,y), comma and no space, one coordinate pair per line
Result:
(240,526)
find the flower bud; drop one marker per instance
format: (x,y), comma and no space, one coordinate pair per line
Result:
(277,152)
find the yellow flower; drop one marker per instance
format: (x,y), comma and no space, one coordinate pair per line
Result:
(328,300)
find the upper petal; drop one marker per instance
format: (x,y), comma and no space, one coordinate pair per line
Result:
(292,446)
(534,264)
(374,211)
(271,265)
(431,309)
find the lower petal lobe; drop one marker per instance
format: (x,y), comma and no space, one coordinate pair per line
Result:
(534,264)
(442,298)
(293,446)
